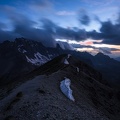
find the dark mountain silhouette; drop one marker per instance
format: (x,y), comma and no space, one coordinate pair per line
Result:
(109,68)
(21,56)
(118,59)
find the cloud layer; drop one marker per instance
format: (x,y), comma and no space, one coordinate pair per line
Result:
(24,26)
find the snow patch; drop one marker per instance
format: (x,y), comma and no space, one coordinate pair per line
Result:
(77,69)
(24,51)
(50,56)
(69,55)
(65,88)
(38,60)
(66,62)
(20,45)
(19,49)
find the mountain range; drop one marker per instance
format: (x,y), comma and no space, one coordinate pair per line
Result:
(19,57)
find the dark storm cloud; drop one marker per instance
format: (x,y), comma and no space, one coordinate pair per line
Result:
(7,35)
(67,33)
(26,29)
(109,33)
(83,18)
(71,34)
(23,26)
(48,25)
(94,35)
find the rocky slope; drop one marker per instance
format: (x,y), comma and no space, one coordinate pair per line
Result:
(40,95)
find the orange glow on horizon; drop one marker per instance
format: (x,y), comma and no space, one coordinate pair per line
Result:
(86,43)
(89,42)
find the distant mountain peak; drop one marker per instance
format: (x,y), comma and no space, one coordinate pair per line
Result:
(101,55)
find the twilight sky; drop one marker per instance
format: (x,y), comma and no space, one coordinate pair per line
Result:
(88,25)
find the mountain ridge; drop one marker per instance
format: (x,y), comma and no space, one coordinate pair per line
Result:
(40,96)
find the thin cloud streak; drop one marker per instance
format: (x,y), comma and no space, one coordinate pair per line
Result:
(64,13)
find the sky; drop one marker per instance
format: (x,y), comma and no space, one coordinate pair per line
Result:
(87,25)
